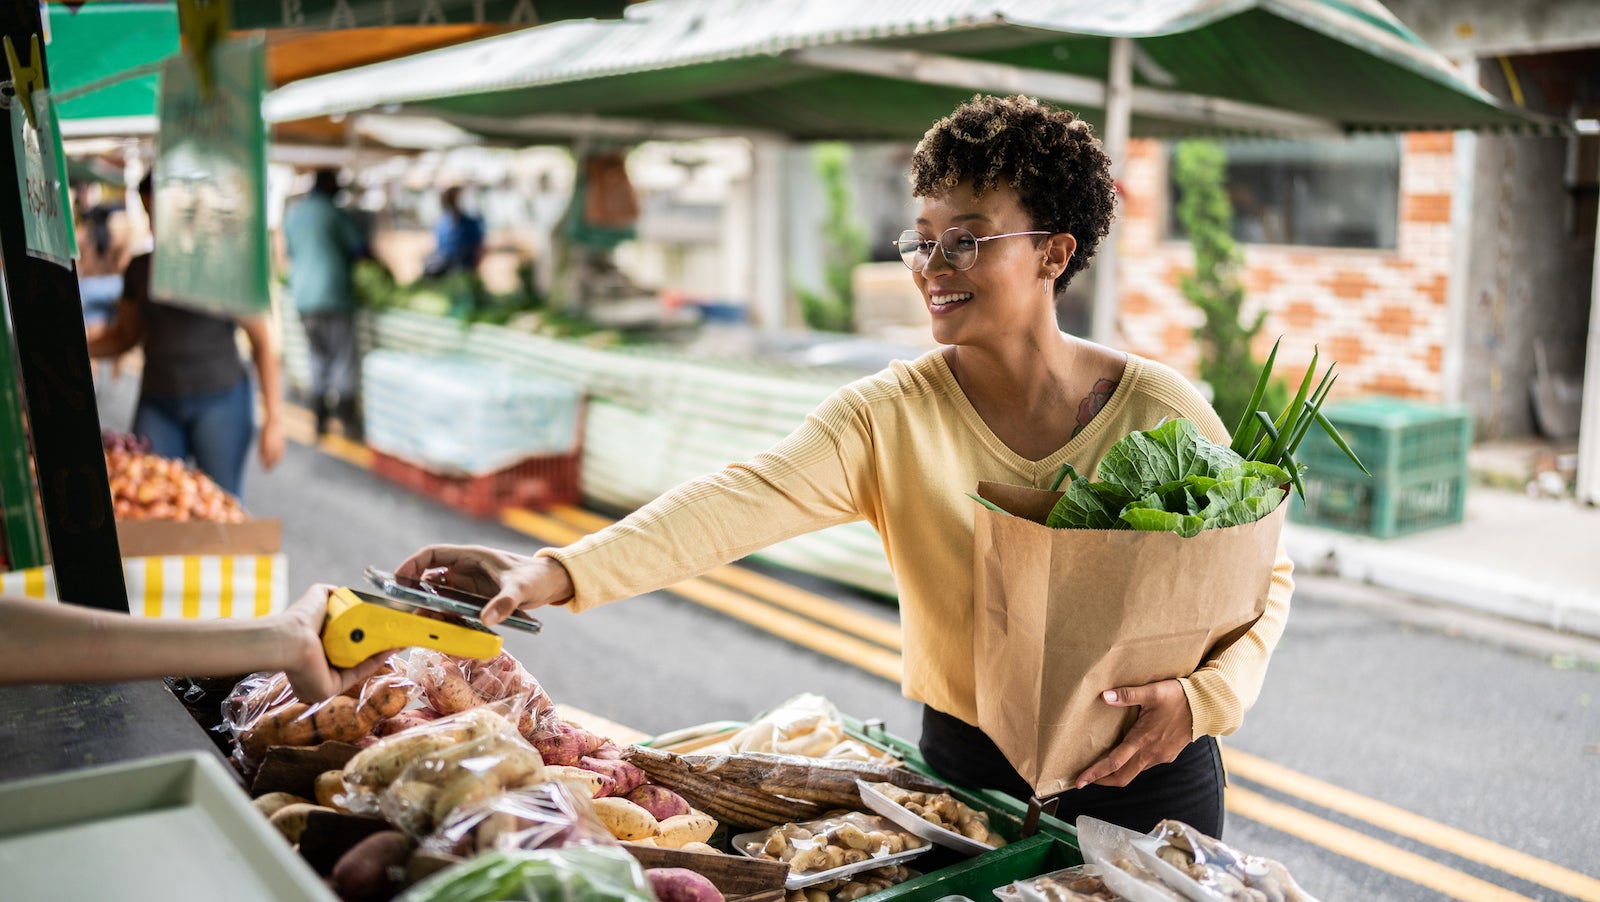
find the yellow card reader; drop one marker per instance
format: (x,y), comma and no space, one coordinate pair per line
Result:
(360,625)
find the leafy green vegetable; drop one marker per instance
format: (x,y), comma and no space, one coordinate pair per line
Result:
(1170,479)
(576,874)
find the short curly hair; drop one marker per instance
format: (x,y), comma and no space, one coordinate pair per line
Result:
(1049,156)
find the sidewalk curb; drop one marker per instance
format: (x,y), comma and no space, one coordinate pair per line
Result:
(1451,582)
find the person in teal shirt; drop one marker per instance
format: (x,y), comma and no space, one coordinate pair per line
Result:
(323,243)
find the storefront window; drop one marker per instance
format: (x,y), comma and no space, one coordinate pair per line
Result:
(1335,193)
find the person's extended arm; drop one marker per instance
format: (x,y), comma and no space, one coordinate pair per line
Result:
(270,376)
(48,642)
(802,484)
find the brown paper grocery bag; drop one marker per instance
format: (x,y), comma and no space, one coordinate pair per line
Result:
(1061,615)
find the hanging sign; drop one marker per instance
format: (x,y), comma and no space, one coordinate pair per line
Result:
(41,172)
(210,182)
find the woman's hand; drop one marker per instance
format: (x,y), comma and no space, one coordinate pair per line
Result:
(511,582)
(271,442)
(1164,728)
(306,664)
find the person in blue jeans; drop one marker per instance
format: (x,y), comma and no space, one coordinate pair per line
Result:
(196,398)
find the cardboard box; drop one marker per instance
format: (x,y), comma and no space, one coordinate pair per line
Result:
(158,538)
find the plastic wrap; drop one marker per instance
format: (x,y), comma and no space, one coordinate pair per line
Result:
(262,711)
(451,685)
(550,815)
(415,779)
(587,874)
(1219,868)
(807,724)
(1080,883)
(854,886)
(936,816)
(831,847)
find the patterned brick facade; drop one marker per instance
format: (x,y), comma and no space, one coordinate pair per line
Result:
(1379,313)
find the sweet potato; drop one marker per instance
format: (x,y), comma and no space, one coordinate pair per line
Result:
(680,830)
(406,720)
(338,718)
(660,801)
(565,744)
(329,787)
(386,698)
(446,687)
(518,766)
(586,783)
(682,885)
(627,775)
(270,803)
(625,820)
(379,765)
(463,787)
(284,725)
(374,869)
(291,819)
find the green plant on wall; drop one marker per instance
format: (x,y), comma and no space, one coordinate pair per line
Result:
(1226,361)
(844,244)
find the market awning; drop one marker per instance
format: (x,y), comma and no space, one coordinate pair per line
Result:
(103,55)
(842,69)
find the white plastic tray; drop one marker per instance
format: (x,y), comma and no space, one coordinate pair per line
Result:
(1103,843)
(1191,888)
(902,817)
(801,880)
(174,828)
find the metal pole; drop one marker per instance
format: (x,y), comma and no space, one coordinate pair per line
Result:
(53,362)
(1119,112)
(770,244)
(1589,423)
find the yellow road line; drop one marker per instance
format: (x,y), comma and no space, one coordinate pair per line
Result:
(344,449)
(1412,826)
(1362,848)
(805,633)
(774,591)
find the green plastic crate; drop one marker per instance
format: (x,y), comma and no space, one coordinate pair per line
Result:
(977,878)
(1417,454)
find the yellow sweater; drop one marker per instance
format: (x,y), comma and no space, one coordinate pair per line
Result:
(902,449)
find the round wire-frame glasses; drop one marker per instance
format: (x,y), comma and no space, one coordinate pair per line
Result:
(959,247)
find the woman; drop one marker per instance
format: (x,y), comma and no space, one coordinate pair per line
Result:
(195,397)
(1015,200)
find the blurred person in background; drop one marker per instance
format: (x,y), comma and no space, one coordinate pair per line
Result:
(195,397)
(103,253)
(457,238)
(323,243)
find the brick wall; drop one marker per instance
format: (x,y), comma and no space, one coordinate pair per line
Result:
(1379,313)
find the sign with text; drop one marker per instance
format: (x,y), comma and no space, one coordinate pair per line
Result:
(42,181)
(210,183)
(330,14)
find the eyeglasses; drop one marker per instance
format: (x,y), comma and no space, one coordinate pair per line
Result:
(959,246)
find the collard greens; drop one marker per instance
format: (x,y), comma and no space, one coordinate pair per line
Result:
(1169,479)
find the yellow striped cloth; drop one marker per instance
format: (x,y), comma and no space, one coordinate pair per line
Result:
(190,587)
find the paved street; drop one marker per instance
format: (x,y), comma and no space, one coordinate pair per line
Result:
(1394,754)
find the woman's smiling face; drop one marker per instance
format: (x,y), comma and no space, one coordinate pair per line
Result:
(1004,291)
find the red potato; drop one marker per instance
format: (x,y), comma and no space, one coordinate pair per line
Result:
(566,745)
(626,775)
(660,801)
(607,752)
(406,720)
(682,885)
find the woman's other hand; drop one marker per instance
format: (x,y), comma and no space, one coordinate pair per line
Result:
(1165,727)
(271,442)
(306,663)
(511,582)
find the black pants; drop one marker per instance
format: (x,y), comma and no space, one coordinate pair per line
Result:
(1188,789)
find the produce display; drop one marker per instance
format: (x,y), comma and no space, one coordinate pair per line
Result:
(806,724)
(440,778)
(145,486)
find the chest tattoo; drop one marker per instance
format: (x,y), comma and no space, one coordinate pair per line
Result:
(1093,403)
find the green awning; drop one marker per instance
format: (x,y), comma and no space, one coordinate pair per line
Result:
(843,69)
(98,44)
